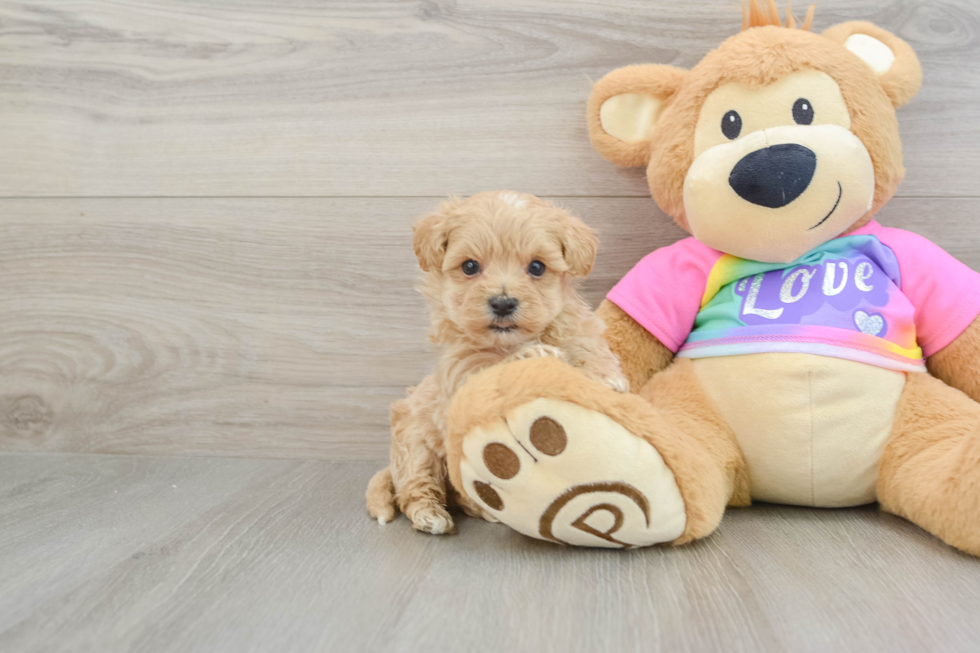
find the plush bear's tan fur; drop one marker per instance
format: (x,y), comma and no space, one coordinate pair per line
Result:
(671,412)
(930,469)
(756,58)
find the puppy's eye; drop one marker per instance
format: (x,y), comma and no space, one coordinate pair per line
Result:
(470,267)
(536,269)
(731,125)
(802,112)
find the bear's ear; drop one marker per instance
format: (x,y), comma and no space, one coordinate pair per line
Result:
(624,108)
(892,59)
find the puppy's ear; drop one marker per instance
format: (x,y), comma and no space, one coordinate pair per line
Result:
(579,244)
(431,236)
(624,108)
(892,59)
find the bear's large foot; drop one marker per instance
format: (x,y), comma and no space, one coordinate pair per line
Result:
(558,471)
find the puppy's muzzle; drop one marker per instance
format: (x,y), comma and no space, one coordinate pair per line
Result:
(774,176)
(502,305)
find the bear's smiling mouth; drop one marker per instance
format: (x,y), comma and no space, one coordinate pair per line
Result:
(840,192)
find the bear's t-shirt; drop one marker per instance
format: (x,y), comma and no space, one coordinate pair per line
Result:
(878,295)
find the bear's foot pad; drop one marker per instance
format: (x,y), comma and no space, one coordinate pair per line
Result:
(556,471)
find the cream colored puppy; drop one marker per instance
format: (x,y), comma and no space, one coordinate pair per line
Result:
(500,275)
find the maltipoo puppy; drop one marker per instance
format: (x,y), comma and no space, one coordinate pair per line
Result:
(500,272)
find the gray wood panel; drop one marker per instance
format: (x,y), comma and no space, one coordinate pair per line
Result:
(415,98)
(106,553)
(270,313)
(280,327)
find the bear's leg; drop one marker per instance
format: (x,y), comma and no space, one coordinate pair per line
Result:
(557,456)
(930,469)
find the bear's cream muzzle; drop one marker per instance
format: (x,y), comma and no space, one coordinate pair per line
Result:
(777,193)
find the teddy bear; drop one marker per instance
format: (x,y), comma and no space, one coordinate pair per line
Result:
(791,350)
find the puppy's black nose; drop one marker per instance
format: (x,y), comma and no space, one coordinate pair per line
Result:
(774,176)
(503,305)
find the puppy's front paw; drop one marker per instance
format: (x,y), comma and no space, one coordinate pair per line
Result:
(614,380)
(617,382)
(432,519)
(538,351)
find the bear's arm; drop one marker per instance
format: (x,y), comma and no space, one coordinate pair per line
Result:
(640,354)
(958,363)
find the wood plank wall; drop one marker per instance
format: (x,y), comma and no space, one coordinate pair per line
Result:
(205,207)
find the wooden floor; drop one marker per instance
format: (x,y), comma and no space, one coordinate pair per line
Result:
(206,307)
(136,553)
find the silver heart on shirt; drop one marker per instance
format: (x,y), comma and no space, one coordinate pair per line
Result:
(872,324)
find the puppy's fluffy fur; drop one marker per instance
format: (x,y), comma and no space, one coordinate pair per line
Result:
(503,232)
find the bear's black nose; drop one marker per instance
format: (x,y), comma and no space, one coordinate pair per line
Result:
(774,176)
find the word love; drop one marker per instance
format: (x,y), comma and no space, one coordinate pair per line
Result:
(847,279)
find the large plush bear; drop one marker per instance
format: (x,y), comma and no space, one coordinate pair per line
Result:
(792,350)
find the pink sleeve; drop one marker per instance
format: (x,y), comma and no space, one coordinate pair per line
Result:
(663,291)
(944,292)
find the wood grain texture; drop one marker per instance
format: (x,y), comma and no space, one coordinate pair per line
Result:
(256,325)
(382,98)
(106,553)
(243,326)
(278,327)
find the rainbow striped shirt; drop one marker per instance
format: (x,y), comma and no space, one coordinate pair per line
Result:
(879,296)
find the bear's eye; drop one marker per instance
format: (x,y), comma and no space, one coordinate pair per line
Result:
(802,112)
(470,267)
(731,125)
(536,269)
